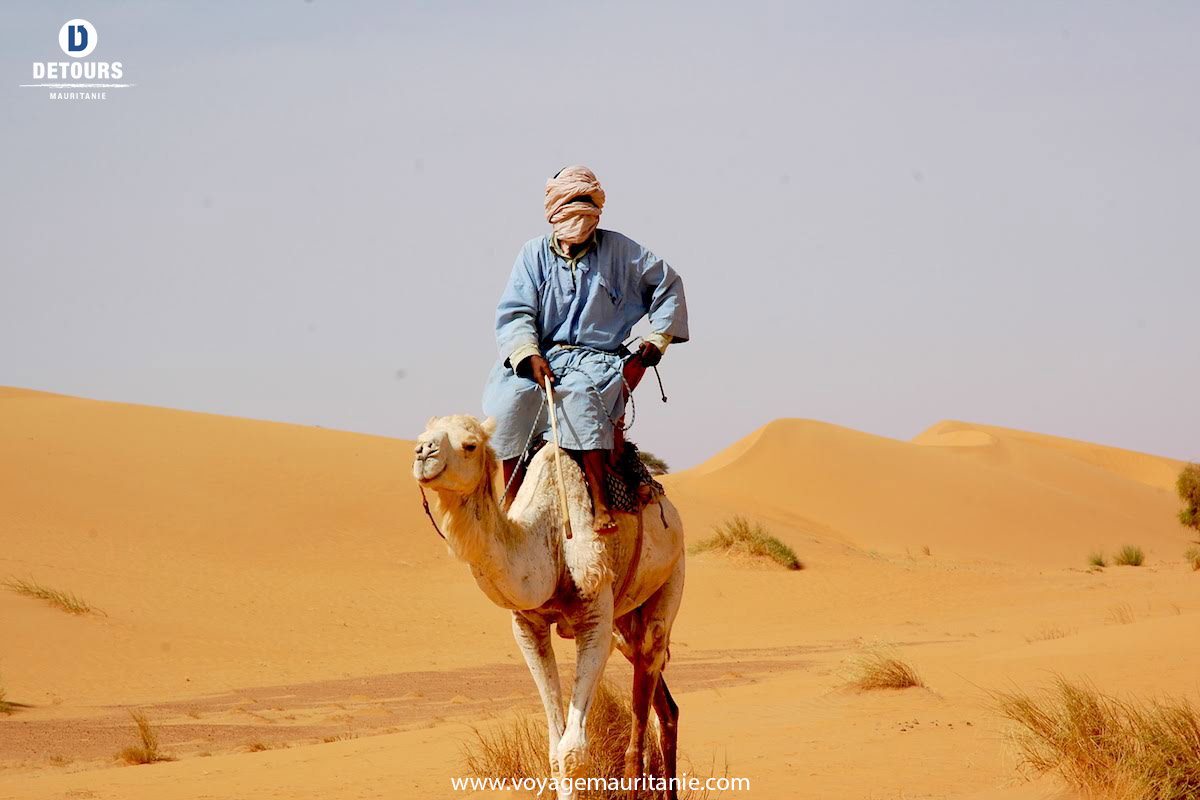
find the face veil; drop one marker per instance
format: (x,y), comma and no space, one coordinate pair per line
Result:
(574,200)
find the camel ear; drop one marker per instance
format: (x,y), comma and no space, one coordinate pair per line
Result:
(489,426)
(430,422)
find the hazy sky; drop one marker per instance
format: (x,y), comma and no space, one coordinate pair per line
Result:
(885,213)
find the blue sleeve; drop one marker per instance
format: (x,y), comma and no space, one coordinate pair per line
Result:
(516,315)
(662,295)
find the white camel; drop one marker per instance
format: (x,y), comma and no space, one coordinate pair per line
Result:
(523,562)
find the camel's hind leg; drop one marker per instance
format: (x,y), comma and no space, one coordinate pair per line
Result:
(668,732)
(646,632)
(645,680)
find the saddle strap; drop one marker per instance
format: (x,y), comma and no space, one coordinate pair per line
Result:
(631,570)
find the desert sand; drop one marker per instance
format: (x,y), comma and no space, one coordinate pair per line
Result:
(273,599)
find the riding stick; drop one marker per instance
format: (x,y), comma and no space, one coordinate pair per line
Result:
(562,486)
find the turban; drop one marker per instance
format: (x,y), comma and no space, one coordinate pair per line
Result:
(574,200)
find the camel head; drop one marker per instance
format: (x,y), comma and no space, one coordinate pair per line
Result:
(452,455)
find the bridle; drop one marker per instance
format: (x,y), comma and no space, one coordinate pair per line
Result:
(428,513)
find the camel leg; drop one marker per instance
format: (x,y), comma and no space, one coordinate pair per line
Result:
(647,637)
(644,681)
(593,642)
(668,733)
(533,638)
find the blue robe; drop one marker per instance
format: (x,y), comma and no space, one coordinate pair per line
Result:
(594,305)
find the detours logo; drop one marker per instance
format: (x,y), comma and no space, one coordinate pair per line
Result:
(80,80)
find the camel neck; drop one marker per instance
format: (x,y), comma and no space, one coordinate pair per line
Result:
(509,558)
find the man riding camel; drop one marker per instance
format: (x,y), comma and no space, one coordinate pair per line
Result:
(571,302)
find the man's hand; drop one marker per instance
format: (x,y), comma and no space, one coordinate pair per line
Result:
(537,370)
(635,367)
(650,355)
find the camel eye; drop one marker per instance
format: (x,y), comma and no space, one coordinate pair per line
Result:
(469,447)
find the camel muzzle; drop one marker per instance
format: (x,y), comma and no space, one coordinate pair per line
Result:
(426,469)
(426,464)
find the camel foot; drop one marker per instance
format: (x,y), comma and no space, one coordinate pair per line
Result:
(565,792)
(573,764)
(572,756)
(633,765)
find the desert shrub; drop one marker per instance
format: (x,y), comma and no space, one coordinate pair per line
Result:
(1188,486)
(653,463)
(65,601)
(882,671)
(1096,559)
(146,750)
(1193,557)
(518,748)
(5,706)
(1129,556)
(738,535)
(1108,747)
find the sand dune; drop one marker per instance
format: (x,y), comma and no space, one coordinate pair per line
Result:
(278,585)
(195,532)
(963,490)
(1154,471)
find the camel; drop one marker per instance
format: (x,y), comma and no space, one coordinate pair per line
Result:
(523,562)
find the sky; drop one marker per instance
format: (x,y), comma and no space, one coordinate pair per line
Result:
(885,213)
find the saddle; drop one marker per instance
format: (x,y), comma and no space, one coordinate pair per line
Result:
(628,483)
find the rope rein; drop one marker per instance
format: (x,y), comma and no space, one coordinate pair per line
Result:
(523,461)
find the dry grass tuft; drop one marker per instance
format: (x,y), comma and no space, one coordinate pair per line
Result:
(1129,556)
(256,747)
(1049,632)
(518,748)
(1108,747)
(1193,558)
(146,752)
(62,600)
(1122,614)
(738,535)
(882,671)
(5,706)
(1096,559)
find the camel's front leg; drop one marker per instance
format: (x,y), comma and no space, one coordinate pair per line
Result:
(593,643)
(533,637)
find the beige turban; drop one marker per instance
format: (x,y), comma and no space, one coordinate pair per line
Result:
(573,221)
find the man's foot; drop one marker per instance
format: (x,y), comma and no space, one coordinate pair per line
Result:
(594,465)
(603,522)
